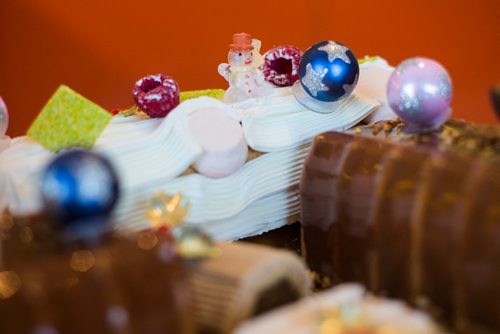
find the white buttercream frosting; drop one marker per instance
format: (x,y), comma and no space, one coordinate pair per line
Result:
(151,154)
(287,123)
(372,82)
(214,201)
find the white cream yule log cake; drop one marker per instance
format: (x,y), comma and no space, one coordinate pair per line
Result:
(236,159)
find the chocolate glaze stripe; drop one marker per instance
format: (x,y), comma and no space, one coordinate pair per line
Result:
(441,223)
(400,184)
(355,203)
(421,201)
(321,174)
(477,291)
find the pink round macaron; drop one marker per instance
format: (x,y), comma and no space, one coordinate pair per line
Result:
(221,138)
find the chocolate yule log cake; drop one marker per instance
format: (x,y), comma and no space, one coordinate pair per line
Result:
(409,216)
(410,208)
(237,161)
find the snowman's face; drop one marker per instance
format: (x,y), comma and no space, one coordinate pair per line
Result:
(240,58)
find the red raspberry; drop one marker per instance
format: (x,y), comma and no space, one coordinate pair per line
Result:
(156,95)
(281,65)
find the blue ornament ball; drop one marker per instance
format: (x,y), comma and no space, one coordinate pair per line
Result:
(78,186)
(328,71)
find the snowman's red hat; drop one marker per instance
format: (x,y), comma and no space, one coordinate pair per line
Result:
(241,42)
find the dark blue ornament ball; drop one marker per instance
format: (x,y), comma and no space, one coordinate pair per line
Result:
(328,71)
(78,186)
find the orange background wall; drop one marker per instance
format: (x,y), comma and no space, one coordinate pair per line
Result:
(100,47)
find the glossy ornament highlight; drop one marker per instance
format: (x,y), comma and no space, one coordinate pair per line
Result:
(420,91)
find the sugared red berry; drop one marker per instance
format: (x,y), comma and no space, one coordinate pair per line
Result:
(281,65)
(156,95)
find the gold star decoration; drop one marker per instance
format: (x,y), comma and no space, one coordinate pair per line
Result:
(190,241)
(166,210)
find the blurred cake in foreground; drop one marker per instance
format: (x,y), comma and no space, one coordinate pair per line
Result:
(344,310)
(244,281)
(115,288)
(67,272)
(136,283)
(410,215)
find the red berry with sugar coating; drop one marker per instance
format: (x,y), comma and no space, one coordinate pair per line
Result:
(156,95)
(281,65)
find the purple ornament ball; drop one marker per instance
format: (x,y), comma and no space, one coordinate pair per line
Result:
(419,91)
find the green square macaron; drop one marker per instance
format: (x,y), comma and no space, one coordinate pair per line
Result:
(69,120)
(192,94)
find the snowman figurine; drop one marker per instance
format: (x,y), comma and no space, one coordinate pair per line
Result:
(245,78)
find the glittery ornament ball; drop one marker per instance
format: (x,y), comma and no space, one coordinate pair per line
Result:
(4,118)
(328,71)
(419,91)
(78,186)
